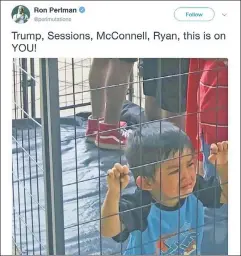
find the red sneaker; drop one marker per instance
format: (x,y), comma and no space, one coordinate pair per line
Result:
(111,136)
(92,128)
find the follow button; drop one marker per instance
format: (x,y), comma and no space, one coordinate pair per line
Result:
(194,14)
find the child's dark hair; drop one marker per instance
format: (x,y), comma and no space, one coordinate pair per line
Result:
(152,143)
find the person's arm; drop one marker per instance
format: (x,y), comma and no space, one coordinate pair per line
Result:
(219,157)
(223,174)
(117,178)
(125,214)
(110,222)
(214,192)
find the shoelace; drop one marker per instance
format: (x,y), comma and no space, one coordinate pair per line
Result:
(124,132)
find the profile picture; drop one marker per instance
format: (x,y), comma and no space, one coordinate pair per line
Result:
(20,14)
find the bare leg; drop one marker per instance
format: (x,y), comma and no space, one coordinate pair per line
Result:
(97,79)
(154,112)
(152,109)
(119,73)
(176,119)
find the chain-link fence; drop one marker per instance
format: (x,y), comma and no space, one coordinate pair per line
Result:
(59,180)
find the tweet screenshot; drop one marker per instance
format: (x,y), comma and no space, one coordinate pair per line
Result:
(120,128)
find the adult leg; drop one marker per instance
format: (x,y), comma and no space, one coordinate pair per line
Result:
(154,112)
(175,118)
(97,77)
(112,135)
(116,89)
(152,109)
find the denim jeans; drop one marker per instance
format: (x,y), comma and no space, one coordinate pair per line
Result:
(215,237)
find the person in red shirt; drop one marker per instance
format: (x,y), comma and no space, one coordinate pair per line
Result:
(207,123)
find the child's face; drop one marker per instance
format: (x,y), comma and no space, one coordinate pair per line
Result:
(167,178)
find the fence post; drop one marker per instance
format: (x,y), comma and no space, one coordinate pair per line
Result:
(131,80)
(50,120)
(24,83)
(32,84)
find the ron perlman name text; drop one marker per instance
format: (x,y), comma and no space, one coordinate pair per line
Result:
(55,10)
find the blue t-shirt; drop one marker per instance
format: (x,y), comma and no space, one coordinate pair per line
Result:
(156,229)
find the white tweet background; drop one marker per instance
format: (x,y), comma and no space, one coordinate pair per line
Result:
(124,17)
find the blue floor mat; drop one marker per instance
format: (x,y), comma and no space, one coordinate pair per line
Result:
(81,223)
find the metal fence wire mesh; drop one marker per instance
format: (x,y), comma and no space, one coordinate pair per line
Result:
(58,179)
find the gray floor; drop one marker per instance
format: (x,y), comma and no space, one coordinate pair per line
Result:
(29,220)
(82,162)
